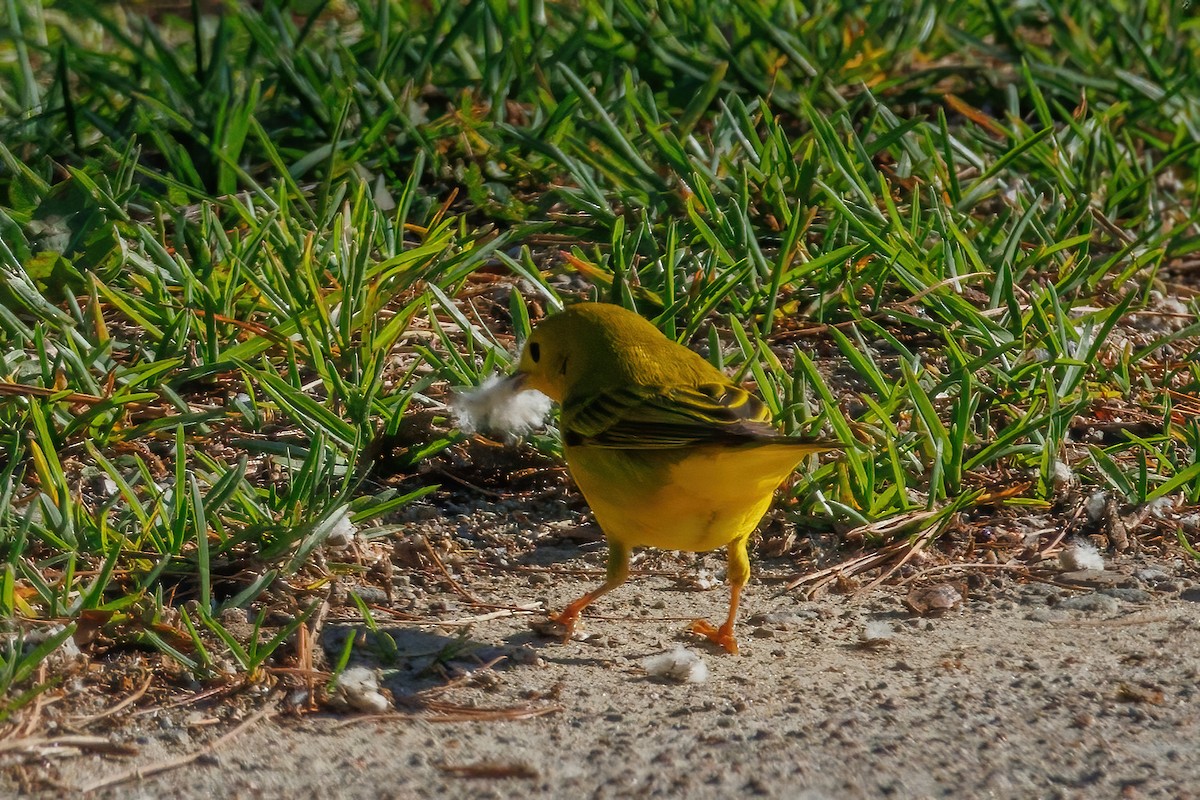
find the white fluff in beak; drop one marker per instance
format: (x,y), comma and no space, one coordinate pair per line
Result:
(500,405)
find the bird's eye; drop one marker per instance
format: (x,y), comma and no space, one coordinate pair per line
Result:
(535,351)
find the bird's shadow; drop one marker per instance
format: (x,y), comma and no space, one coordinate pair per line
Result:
(584,540)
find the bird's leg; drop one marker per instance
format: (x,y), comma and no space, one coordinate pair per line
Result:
(739,574)
(723,635)
(618,572)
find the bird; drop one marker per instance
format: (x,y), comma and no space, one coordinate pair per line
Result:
(668,452)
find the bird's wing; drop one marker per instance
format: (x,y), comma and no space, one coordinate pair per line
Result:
(643,417)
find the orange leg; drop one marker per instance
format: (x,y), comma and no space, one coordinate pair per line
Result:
(618,573)
(739,574)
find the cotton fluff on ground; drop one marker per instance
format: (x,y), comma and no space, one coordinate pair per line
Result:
(343,531)
(496,405)
(1080,554)
(358,688)
(680,665)
(876,632)
(1094,505)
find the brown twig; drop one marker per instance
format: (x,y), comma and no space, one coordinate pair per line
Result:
(448,712)
(62,395)
(458,588)
(215,691)
(473,487)
(915,545)
(141,690)
(41,743)
(851,566)
(426,695)
(905,549)
(305,669)
(490,770)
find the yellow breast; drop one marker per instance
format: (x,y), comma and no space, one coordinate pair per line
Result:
(694,499)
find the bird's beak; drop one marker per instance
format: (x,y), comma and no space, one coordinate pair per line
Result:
(516,382)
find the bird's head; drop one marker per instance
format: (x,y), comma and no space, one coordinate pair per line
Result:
(590,348)
(559,352)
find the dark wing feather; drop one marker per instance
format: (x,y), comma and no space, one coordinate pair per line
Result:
(641,417)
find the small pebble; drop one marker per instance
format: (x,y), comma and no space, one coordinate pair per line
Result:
(1092,602)
(779,620)
(371,595)
(937,599)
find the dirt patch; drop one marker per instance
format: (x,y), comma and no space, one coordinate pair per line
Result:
(1066,686)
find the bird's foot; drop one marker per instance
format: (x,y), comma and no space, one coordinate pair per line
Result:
(722,636)
(565,622)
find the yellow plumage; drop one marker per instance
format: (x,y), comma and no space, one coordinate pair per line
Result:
(668,452)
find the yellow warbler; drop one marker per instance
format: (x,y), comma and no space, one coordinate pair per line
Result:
(668,452)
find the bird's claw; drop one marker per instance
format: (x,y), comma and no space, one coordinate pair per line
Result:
(722,636)
(565,622)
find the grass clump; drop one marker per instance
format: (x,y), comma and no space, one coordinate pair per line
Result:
(245,252)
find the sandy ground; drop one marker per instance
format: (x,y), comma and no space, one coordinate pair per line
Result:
(1082,687)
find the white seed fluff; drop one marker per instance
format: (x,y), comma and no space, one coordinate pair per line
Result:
(1079,554)
(1161,507)
(1094,505)
(680,664)
(495,406)
(1063,476)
